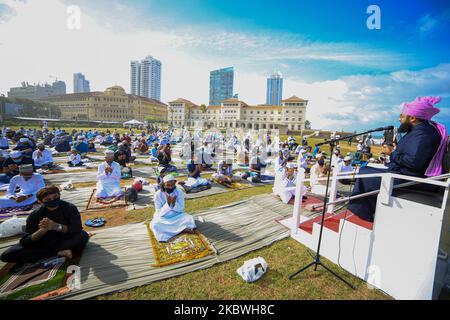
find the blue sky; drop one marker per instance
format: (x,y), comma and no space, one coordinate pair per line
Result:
(353,76)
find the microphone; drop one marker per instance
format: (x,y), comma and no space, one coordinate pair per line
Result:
(385,128)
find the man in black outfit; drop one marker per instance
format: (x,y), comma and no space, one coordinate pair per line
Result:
(54,229)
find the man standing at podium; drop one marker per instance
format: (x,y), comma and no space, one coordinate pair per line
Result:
(419,153)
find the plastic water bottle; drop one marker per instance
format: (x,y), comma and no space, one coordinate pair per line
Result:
(54,262)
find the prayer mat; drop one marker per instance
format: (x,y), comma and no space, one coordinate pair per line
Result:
(24,211)
(188,189)
(233,185)
(94,205)
(30,280)
(36,281)
(183,247)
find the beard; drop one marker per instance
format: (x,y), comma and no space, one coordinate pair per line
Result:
(405,127)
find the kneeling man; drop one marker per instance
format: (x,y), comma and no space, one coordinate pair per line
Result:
(28,183)
(169,218)
(108,176)
(225,174)
(287,179)
(194,169)
(54,229)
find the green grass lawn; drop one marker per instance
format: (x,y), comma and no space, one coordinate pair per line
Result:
(222,281)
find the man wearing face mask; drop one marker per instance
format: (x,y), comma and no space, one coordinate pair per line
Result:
(169,218)
(54,229)
(419,153)
(29,184)
(108,178)
(42,157)
(11,166)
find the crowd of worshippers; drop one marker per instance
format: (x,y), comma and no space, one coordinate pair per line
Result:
(55,227)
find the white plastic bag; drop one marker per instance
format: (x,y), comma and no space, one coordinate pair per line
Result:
(66,185)
(253,269)
(12,227)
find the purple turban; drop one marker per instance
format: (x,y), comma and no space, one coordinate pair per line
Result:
(423,108)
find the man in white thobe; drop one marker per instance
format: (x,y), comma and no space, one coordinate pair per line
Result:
(42,157)
(28,182)
(169,219)
(346,165)
(108,178)
(194,168)
(287,179)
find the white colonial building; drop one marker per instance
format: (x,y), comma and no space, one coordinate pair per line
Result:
(233,113)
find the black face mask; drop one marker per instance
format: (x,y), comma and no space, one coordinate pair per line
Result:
(405,127)
(52,203)
(169,191)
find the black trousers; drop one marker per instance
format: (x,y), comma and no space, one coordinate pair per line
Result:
(38,251)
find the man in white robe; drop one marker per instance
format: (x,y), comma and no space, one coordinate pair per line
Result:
(194,168)
(28,182)
(42,157)
(169,219)
(346,165)
(287,179)
(108,178)
(225,174)
(319,171)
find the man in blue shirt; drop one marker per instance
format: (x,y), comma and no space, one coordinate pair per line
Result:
(81,146)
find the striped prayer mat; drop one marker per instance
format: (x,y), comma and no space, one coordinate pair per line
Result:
(24,211)
(93,203)
(28,281)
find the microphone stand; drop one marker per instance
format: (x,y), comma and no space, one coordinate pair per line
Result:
(317,260)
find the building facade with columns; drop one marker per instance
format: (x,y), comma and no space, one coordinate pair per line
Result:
(111,105)
(233,113)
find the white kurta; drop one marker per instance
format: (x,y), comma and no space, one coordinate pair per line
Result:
(27,187)
(45,158)
(282,182)
(317,186)
(197,182)
(108,185)
(75,159)
(168,221)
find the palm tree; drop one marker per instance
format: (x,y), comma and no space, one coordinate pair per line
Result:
(308,125)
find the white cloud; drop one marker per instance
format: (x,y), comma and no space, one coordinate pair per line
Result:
(428,23)
(36,44)
(366,101)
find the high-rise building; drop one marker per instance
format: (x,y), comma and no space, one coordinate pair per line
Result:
(37,92)
(220,85)
(145,78)
(135,74)
(80,84)
(274,89)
